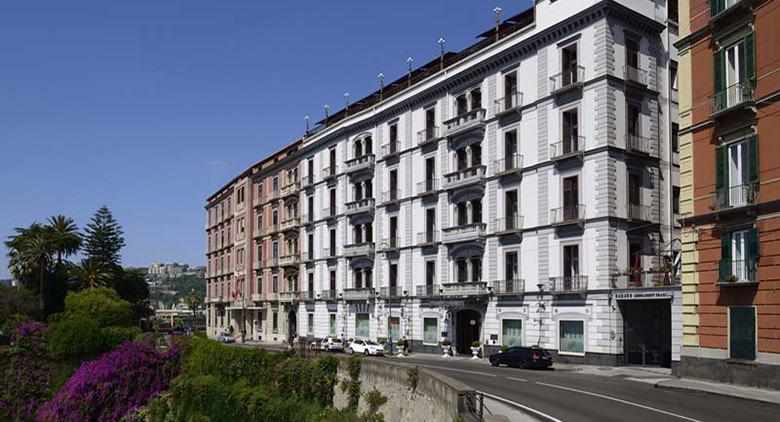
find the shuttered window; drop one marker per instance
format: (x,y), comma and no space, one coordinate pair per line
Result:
(739,256)
(742,332)
(736,173)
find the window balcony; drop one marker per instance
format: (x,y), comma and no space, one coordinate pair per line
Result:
(464,289)
(289,260)
(508,287)
(257,265)
(428,136)
(509,165)
(642,279)
(567,80)
(569,148)
(273,296)
(307,296)
(569,214)
(391,150)
(359,249)
(509,104)
(465,233)
(307,257)
(327,295)
(391,292)
(464,177)
(291,189)
(365,205)
(428,187)
(271,262)
(329,212)
(736,196)
(256,297)
(635,75)
(428,290)
(329,173)
(427,238)
(329,253)
(389,245)
(272,228)
(390,197)
(640,212)
(307,219)
(734,97)
(290,224)
(737,272)
(365,162)
(272,195)
(288,296)
(307,181)
(509,225)
(638,144)
(362,293)
(474,119)
(569,284)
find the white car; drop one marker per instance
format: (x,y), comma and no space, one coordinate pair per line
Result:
(366,347)
(328,344)
(224,337)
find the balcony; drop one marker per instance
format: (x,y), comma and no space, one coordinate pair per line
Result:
(464,177)
(569,284)
(329,253)
(569,214)
(428,290)
(567,80)
(271,262)
(390,197)
(272,229)
(361,293)
(737,272)
(638,144)
(288,296)
(509,165)
(291,189)
(365,205)
(329,173)
(428,187)
(736,196)
(290,224)
(734,97)
(289,260)
(642,279)
(509,104)
(365,162)
(391,150)
(307,296)
(427,238)
(307,219)
(640,212)
(307,181)
(508,287)
(569,148)
(474,119)
(327,295)
(721,10)
(635,75)
(273,296)
(509,225)
(256,297)
(465,233)
(391,292)
(329,213)
(389,245)
(307,256)
(464,289)
(359,249)
(428,135)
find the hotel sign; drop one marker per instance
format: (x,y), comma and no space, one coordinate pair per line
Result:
(642,295)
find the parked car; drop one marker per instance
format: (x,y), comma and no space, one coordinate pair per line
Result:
(523,357)
(225,337)
(328,344)
(366,347)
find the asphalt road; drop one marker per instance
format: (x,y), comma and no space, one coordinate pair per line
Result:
(571,396)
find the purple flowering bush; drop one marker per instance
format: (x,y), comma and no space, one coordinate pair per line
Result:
(113,385)
(25,372)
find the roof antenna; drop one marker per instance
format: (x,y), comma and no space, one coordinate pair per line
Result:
(327,108)
(346,104)
(409,61)
(307,123)
(441,52)
(497,11)
(381,77)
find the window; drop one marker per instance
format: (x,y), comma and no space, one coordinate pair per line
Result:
(570,132)
(511,211)
(430,273)
(260,284)
(742,332)
(633,119)
(275,217)
(511,156)
(476,99)
(571,198)
(676,199)
(332,282)
(393,129)
(361,325)
(332,324)
(739,255)
(310,324)
(511,332)
(673,10)
(736,173)
(430,331)
(675,137)
(634,189)
(332,242)
(673,75)
(430,123)
(275,322)
(310,246)
(394,328)
(393,279)
(569,65)
(734,73)
(333,202)
(275,250)
(275,183)
(632,54)
(393,177)
(462,266)
(333,161)
(510,91)
(275,284)
(511,266)
(571,337)
(393,232)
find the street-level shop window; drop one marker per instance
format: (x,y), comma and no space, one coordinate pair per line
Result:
(512,332)
(361,325)
(430,329)
(571,337)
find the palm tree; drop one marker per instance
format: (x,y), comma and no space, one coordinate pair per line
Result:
(91,273)
(35,257)
(65,236)
(193,302)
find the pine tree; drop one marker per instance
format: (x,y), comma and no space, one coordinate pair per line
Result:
(103,239)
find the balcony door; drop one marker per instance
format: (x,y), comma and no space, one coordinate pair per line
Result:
(739,254)
(571,197)
(510,150)
(430,123)
(394,231)
(393,184)
(393,276)
(569,64)
(735,59)
(571,265)
(570,131)
(738,173)
(333,283)
(430,173)
(332,161)
(511,270)
(430,224)
(510,90)
(632,53)
(634,184)
(430,276)
(511,210)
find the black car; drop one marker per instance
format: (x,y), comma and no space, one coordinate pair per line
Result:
(523,357)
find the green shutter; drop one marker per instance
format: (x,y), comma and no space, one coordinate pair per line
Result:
(724,266)
(721,176)
(742,333)
(750,57)
(752,247)
(753,164)
(715,7)
(718,78)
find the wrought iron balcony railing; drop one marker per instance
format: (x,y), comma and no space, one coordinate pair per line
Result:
(736,196)
(427,237)
(733,272)
(567,148)
(569,284)
(511,164)
(732,96)
(508,287)
(428,186)
(635,75)
(428,290)
(640,212)
(509,224)
(640,144)
(391,149)
(569,214)
(511,102)
(428,135)
(643,279)
(568,78)
(391,292)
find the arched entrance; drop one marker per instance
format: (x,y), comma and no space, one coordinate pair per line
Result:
(468,325)
(292,324)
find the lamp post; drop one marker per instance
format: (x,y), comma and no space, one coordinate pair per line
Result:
(409,62)
(327,108)
(497,11)
(441,52)
(381,77)
(306,119)
(346,104)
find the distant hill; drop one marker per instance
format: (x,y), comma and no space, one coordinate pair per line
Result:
(171,291)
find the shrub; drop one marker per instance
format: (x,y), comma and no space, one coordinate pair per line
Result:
(17,301)
(375,399)
(100,304)
(25,372)
(111,386)
(413,377)
(475,343)
(75,337)
(229,364)
(446,342)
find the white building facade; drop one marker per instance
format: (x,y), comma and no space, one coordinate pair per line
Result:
(519,193)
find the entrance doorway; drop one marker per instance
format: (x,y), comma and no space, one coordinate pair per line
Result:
(468,325)
(647,330)
(292,322)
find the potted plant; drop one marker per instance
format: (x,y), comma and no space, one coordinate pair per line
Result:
(401,349)
(446,346)
(503,348)
(475,349)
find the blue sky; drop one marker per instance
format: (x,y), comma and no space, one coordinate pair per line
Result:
(148,106)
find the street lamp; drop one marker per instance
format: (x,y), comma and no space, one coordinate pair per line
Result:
(409,62)
(306,119)
(381,77)
(346,103)
(441,52)
(327,108)
(497,11)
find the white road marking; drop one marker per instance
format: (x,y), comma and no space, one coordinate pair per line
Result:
(526,408)
(630,403)
(457,370)
(517,379)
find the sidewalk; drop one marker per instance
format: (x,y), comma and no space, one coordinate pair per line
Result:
(730,390)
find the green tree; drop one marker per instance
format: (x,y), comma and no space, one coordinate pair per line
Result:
(91,274)
(131,286)
(30,257)
(16,301)
(99,304)
(65,236)
(104,239)
(192,300)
